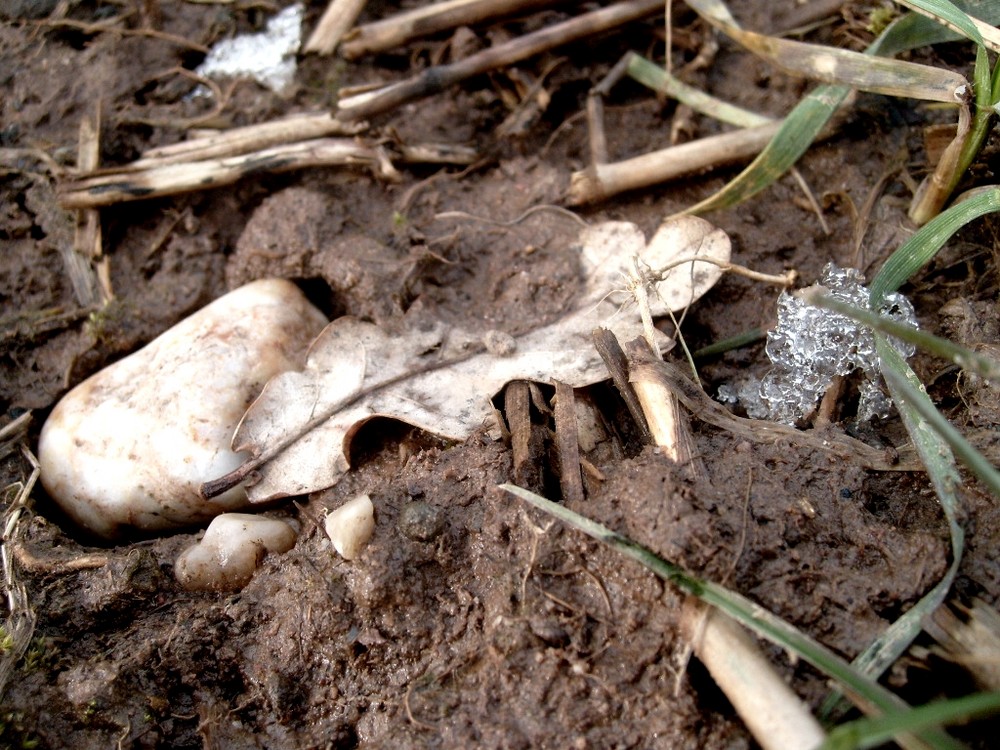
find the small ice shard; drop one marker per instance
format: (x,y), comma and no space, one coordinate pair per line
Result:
(268,57)
(351,526)
(811,345)
(233,548)
(130,446)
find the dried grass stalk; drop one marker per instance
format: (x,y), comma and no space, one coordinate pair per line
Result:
(131,184)
(337,20)
(242,140)
(601,181)
(439,77)
(429,19)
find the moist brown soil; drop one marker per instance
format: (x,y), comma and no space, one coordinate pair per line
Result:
(469,620)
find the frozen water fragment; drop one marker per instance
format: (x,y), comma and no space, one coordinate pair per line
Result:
(268,58)
(811,345)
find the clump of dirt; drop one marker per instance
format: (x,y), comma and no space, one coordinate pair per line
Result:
(469,620)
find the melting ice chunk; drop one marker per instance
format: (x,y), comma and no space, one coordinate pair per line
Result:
(811,345)
(269,57)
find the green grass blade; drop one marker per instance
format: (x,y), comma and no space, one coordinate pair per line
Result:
(947,14)
(912,397)
(872,732)
(968,360)
(865,691)
(796,135)
(914,30)
(940,464)
(916,252)
(653,76)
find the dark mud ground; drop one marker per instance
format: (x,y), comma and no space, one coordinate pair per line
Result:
(502,630)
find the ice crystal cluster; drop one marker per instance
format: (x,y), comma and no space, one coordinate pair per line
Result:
(811,345)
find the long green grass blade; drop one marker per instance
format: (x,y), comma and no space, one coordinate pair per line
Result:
(949,15)
(940,464)
(914,30)
(968,360)
(866,692)
(798,131)
(919,402)
(872,732)
(916,252)
(653,76)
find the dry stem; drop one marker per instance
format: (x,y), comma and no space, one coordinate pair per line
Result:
(775,716)
(238,141)
(130,184)
(601,181)
(337,20)
(439,77)
(428,19)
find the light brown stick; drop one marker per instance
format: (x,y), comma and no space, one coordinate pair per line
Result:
(85,261)
(119,186)
(775,716)
(568,445)
(337,20)
(602,181)
(238,141)
(428,19)
(439,77)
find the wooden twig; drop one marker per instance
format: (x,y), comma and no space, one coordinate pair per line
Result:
(568,445)
(517,404)
(777,718)
(428,19)
(602,181)
(337,20)
(85,261)
(439,77)
(614,359)
(242,140)
(118,186)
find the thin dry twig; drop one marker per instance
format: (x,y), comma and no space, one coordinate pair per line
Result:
(19,621)
(337,20)
(439,77)
(299,127)
(105,188)
(428,19)
(109,27)
(88,267)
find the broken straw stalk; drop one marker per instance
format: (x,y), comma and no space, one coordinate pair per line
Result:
(437,78)
(104,188)
(776,717)
(429,19)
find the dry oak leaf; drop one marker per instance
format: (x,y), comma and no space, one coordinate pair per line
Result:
(298,431)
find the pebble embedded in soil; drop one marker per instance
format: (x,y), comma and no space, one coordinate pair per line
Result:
(231,550)
(420,521)
(351,526)
(128,448)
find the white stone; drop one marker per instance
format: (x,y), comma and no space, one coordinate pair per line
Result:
(129,447)
(351,526)
(231,550)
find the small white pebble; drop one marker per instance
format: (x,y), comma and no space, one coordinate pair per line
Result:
(130,446)
(231,550)
(351,526)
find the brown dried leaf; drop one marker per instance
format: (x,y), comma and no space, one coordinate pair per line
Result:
(299,429)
